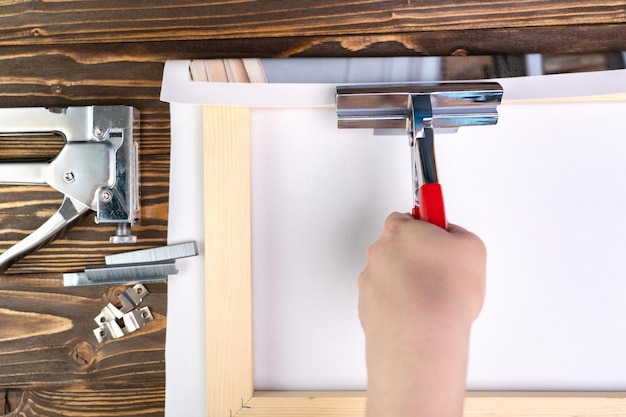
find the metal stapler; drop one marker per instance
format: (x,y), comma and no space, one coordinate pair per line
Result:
(97,169)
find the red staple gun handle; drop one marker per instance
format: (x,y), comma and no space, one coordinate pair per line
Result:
(431,207)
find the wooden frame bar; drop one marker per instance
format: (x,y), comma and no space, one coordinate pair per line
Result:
(228,271)
(230,390)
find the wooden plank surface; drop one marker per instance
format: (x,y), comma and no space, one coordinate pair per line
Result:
(57,22)
(131,399)
(50,361)
(50,328)
(228,266)
(479,404)
(283,28)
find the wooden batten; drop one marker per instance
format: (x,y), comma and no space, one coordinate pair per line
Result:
(228,271)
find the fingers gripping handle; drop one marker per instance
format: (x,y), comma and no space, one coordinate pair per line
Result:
(431,207)
(69,212)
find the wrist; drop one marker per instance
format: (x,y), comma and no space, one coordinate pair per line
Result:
(425,373)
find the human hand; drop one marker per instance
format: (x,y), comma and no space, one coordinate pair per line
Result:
(421,290)
(416,270)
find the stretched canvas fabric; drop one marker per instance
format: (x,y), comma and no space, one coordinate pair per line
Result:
(543,188)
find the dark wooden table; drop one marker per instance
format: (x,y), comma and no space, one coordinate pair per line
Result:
(112,52)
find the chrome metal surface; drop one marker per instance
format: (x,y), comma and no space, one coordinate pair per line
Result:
(136,319)
(419,110)
(388,106)
(160,254)
(110,318)
(123,234)
(100,156)
(132,297)
(130,273)
(108,331)
(133,321)
(108,313)
(69,213)
(134,267)
(423,165)
(76,279)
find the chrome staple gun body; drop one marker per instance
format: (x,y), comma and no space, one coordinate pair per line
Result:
(97,169)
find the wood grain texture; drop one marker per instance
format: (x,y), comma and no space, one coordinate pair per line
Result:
(228,265)
(46,338)
(50,361)
(52,365)
(45,22)
(552,404)
(500,404)
(305,404)
(131,399)
(51,78)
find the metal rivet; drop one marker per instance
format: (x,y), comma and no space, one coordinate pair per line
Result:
(98,131)
(69,177)
(106,195)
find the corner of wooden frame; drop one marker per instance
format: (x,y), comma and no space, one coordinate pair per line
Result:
(230,386)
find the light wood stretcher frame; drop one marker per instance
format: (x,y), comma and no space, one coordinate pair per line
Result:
(228,275)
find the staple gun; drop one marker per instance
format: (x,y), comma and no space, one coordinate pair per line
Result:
(97,169)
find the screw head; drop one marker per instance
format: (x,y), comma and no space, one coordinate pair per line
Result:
(69,177)
(98,131)
(106,195)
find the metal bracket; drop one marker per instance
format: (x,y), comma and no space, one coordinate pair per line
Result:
(108,313)
(111,317)
(136,319)
(132,297)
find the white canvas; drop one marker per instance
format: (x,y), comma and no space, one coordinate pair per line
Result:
(544,189)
